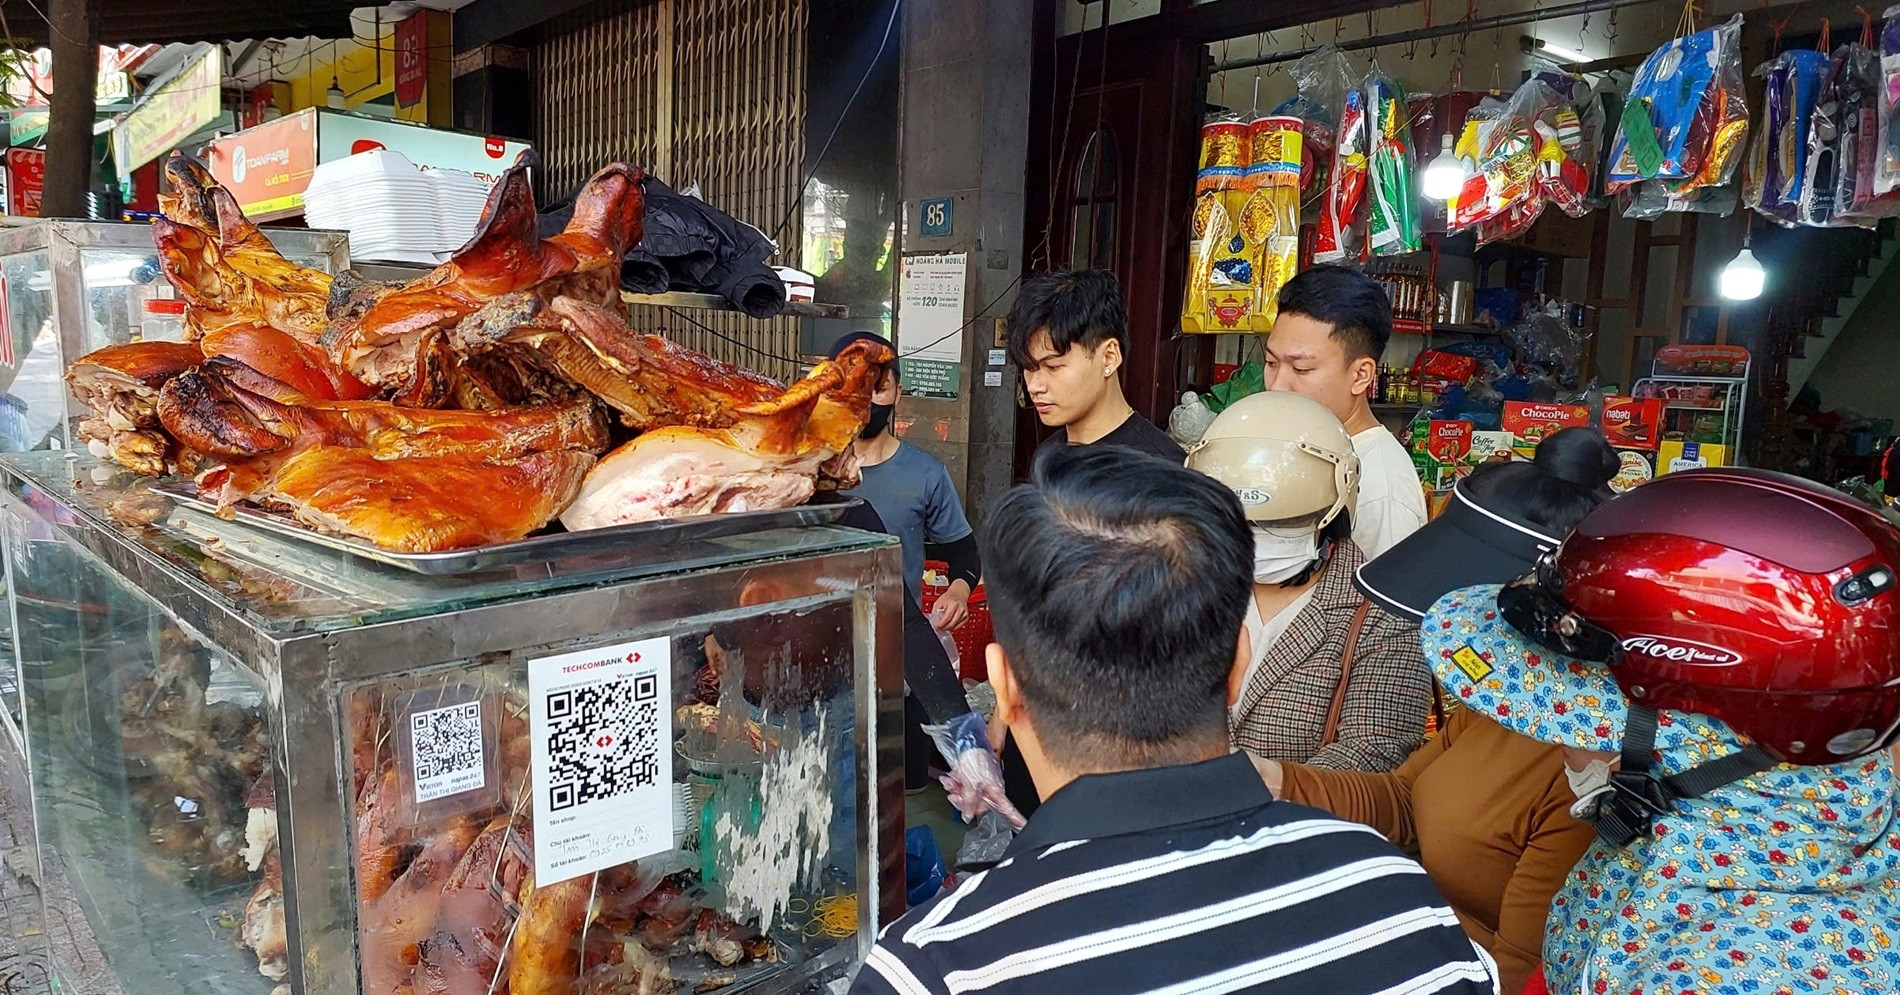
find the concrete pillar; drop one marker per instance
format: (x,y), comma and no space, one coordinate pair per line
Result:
(966,137)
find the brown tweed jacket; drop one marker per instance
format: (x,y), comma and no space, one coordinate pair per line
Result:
(1282,713)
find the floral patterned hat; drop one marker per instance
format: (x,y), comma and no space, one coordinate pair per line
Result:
(1788,880)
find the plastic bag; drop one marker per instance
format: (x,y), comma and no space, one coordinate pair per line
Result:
(924,872)
(1220,276)
(985,844)
(1653,199)
(1249,378)
(1392,226)
(1887,175)
(1320,80)
(1778,157)
(1859,81)
(1344,200)
(1189,419)
(1270,218)
(975,781)
(1529,151)
(1600,111)
(1687,117)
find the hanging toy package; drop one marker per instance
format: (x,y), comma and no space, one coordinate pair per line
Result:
(1220,279)
(1345,197)
(1778,157)
(1857,201)
(1827,160)
(1392,225)
(1491,164)
(1687,117)
(1270,219)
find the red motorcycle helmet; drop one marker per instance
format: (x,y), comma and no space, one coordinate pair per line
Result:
(1758,598)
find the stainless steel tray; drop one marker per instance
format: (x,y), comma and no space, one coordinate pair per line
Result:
(536,549)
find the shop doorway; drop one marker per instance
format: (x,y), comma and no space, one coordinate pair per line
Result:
(1106,190)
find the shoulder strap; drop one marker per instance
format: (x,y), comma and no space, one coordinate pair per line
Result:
(1345,673)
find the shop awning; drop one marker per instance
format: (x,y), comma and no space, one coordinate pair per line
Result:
(143,21)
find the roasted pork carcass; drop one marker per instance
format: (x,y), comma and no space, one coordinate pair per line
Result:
(729,448)
(379,332)
(304,368)
(423,504)
(546,957)
(393,929)
(121,385)
(471,929)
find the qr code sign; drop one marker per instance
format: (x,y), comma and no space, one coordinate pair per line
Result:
(447,751)
(603,740)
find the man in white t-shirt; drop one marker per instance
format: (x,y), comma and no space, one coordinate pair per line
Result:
(1333,326)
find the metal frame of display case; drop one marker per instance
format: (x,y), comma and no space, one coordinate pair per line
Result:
(561,607)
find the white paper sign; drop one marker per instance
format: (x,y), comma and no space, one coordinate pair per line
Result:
(601,723)
(446,750)
(930,307)
(998,357)
(993,378)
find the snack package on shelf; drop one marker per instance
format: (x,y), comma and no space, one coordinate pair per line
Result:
(1321,80)
(1778,157)
(1686,120)
(1530,423)
(1632,423)
(1342,206)
(1392,224)
(1220,274)
(1858,199)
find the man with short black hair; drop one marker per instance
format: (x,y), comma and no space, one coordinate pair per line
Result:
(1159,863)
(1332,329)
(1068,333)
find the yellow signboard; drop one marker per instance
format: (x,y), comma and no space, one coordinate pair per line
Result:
(170,113)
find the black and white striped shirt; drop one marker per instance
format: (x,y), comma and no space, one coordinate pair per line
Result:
(1185,881)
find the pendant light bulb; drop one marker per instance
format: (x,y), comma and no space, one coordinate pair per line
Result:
(1743,278)
(1444,176)
(335,94)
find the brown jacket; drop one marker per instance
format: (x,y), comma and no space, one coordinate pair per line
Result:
(1489,811)
(1282,713)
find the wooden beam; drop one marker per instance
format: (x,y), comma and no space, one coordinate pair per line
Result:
(1223,19)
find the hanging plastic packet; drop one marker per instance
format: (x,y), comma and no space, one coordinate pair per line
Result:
(1778,157)
(1652,199)
(1320,79)
(1220,275)
(1345,196)
(1601,111)
(1686,116)
(1489,167)
(1270,219)
(1842,114)
(1887,175)
(1862,95)
(1392,224)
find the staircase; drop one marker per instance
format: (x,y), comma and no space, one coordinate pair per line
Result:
(1866,264)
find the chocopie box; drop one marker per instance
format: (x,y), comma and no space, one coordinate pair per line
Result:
(1676,457)
(1441,452)
(1531,423)
(1633,424)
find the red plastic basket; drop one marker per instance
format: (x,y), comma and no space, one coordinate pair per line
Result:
(973,638)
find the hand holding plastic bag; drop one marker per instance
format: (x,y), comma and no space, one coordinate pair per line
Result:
(975,781)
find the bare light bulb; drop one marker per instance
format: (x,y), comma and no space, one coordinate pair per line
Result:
(335,94)
(1743,277)
(1444,176)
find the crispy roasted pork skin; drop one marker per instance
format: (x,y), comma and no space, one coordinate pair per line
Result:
(279,355)
(121,385)
(422,504)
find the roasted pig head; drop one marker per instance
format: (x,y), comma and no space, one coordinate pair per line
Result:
(378,330)
(298,365)
(121,385)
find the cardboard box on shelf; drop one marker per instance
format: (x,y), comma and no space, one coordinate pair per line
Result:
(1630,423)
(1441,452)
(1678,456)
(1487,446)
(1530,422)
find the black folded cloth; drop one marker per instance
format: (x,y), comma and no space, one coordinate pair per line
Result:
(688,245)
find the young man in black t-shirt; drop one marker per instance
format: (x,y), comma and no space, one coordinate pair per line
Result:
(1069,335)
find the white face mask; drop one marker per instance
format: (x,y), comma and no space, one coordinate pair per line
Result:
(1279,555)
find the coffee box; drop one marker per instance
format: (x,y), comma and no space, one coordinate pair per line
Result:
(1530,422)
(1486,446)
(1633,424)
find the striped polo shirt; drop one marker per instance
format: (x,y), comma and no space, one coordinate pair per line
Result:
(1185,880)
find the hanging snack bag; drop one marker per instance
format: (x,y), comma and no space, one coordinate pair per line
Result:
(1887,175)
(1220,273)
(1777,162)
(1392,224)
(1345,197)
(1686,116)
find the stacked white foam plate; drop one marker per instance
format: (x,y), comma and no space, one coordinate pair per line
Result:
(393,211)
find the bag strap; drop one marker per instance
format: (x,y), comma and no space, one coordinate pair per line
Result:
(1345,673)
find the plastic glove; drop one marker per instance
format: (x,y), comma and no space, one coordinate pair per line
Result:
(975,781)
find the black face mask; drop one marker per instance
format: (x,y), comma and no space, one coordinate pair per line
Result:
(880,420)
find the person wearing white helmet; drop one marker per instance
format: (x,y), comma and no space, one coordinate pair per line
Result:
(1334,681)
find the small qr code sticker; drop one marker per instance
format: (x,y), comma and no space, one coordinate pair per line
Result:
(446,748)
(603,741)
(600,722)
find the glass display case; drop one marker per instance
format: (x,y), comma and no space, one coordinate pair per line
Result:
(69,287)
(259,763)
